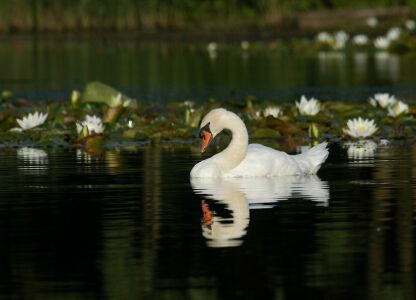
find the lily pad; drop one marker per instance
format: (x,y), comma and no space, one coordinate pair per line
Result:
(97,92)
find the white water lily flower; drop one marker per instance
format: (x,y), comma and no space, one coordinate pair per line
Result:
(398,109)
(341,35)
(393,33)
(324,38)
(381,43)
(360,39)
(360,128)
(410,24)
(30,121)
(361,149)
(372,22)
(383,100)
(118,101)
(189,104)
(341,38)
(245,45)
(212,47)
(273,111)
(94,124)
(308,107)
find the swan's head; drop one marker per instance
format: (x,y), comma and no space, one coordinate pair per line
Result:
(211,125)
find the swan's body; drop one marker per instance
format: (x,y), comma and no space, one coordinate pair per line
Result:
(240,159)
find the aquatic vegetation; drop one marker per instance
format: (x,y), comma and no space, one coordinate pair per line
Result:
(273,111)
(372,22)
(360,128)
(308,107)
(83,124)
(91,125)
(324,38)
(341,38)
(212,47)
(97,92)
(75,98)
(393,34)
(245,45)
(410,24)
(360,39)
(397,109)
(383,100)
(336,41)
(382,43)
(313,131)
(30,121)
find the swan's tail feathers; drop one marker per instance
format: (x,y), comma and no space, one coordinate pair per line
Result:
(317,156)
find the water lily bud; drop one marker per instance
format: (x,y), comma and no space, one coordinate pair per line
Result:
(75,97)
(187,116)
(126,103)
(85,131)
(313,131)
(113,114)
(5,95)
(118,101)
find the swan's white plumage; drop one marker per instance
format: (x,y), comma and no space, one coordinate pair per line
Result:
(253,160)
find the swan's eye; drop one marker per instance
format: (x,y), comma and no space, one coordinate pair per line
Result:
(203,130)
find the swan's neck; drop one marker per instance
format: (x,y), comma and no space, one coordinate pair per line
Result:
(236,151)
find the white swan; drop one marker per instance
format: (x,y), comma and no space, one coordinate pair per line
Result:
(240,159)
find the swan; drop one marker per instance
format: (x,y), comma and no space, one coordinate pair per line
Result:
(240,159)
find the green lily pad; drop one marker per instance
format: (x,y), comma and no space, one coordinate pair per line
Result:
(97,92)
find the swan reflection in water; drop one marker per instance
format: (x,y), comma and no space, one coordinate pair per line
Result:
(239,195)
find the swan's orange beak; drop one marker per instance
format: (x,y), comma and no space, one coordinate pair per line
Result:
(206,138)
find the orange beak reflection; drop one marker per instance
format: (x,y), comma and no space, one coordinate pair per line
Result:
(206,140)
(207,214)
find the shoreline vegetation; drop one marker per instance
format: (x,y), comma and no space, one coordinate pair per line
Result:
(187,15)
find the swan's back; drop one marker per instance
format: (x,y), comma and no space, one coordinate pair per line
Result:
(264,161)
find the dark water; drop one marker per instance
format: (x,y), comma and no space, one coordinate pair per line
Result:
(128,225)
(175,69)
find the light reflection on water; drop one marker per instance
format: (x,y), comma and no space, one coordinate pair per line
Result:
(32,160)
(134,230)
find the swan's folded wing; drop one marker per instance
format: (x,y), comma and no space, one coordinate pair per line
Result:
(264,161)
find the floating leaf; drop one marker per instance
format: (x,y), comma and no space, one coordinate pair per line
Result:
(97,92)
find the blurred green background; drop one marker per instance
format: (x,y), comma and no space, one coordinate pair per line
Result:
(62,15)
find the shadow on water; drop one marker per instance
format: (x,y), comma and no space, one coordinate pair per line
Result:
(127,225)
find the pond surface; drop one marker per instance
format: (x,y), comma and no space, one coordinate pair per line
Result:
(179,69)
(129,224)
